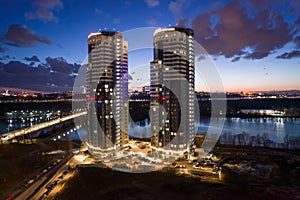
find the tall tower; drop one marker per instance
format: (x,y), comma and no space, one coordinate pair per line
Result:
(107,92)
(172,79)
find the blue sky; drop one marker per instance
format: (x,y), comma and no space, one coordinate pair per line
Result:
(255,44)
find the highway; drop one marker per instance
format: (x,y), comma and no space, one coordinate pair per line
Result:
(13,134)
(61,175)
(38,185)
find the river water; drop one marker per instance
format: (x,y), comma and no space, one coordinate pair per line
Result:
(275,128)
(7,127)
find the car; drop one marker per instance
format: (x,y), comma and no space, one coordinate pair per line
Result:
(193,160)
(54,183)
(203,162)
(216,169)
(21,187)
(47,192)
(180,166)
(197,166)
(9,197)
(43,196)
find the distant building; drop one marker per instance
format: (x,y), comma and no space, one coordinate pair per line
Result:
(270,112)
(172,80)
(146,89)
(107,92)
(6,93)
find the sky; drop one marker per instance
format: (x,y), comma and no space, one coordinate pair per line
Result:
(254,44)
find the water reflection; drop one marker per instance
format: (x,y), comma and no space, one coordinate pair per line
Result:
(275,129)
(19,119)
(280,130)
(140,129)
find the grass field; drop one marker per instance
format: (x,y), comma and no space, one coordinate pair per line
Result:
(101,183)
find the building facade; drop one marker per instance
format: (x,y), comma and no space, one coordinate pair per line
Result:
(172,77)
(107,92)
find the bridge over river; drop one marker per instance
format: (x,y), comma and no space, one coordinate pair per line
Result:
(25,131)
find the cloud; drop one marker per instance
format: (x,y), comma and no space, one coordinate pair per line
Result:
(61,65)
(261,4)
(116,21)
(19,35)
(7,57)
(294,7)
(235,59)
(14,67)
(182,22)
(289,55)
(44,77)
(176,7)
(98,11)
(256,55)
(297,41)
(229,31)
(152,3)
(201,57)
(152,22)
(43,10)
(33,58)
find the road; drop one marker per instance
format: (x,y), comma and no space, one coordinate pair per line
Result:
(39,183)
(61,176)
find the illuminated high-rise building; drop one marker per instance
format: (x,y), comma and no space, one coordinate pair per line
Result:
(107,92)
(172,80)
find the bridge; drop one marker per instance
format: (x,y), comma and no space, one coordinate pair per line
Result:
(22,132)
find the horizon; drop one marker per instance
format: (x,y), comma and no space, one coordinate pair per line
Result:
(254,46)
(29,91)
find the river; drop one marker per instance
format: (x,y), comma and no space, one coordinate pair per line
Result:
(276,129)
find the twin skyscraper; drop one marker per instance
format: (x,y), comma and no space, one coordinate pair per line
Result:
(172,78)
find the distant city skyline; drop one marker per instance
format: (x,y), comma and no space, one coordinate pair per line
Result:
(255,45)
